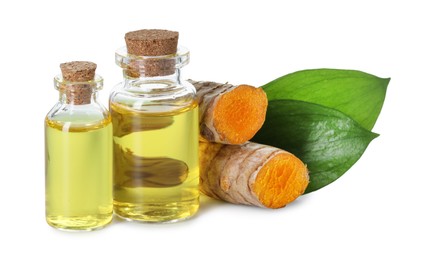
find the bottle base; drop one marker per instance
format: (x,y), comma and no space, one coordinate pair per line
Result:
(76,224)
(156,212)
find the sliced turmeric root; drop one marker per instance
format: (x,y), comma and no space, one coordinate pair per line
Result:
(251,174)
(230,114)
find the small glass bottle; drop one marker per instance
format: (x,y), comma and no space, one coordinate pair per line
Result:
(78,135)
(155,128)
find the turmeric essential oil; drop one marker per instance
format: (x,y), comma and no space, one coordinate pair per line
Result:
(155,164)
(78,146)
(78,175)
(155,130)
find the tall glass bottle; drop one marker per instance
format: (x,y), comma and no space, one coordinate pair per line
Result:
(155,128)
(78,135)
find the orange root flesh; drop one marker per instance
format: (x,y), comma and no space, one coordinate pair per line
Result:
(281,181)
(240,113)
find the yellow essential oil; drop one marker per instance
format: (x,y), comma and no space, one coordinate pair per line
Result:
(155,164)
(78,146)
(78,175)
(155,130)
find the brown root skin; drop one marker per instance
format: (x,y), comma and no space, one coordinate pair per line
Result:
(251,174)
(230,114)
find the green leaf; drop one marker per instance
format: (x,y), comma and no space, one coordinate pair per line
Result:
(355,93)
(327,140)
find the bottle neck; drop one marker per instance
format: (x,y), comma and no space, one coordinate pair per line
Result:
(139,80)
(78,95)
(152,72)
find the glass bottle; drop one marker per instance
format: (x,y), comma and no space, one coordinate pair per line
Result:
(78,136)
(155,135)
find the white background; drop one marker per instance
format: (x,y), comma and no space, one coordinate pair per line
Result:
(375,210)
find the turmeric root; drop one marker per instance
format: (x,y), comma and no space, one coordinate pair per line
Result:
(126,121)
(133,171)
(230,114)
(251,174)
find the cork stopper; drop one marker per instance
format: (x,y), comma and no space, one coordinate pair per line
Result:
(152,43)
(78,72)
